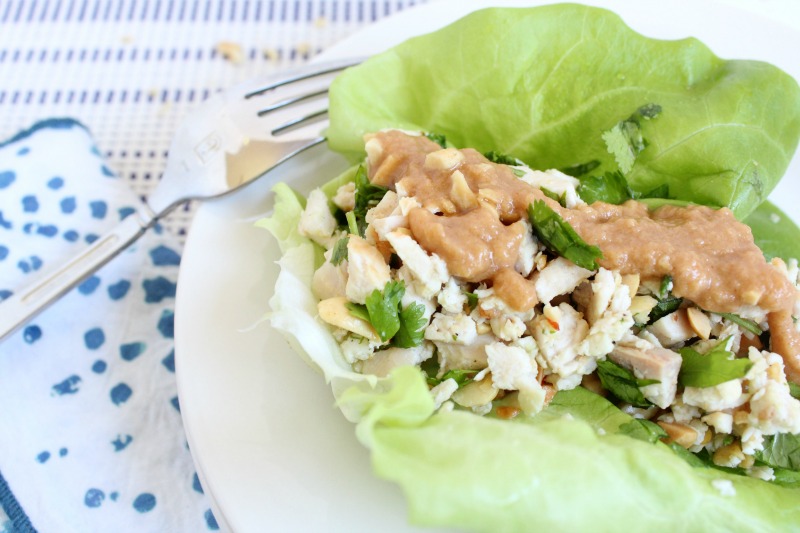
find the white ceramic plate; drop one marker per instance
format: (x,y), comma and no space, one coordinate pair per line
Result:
(272,451)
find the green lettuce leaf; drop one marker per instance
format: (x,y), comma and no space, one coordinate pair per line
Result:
(774,232)
(543,83)
(522,474)
(554,472)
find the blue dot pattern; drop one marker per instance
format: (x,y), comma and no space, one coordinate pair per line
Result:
(164,256)
(121,442)
(120,393)
(99,208)
(101,387)
(30,204)
(94,498)
(7,177)
(169,361)
(144,503)
(196,483)
(118,290)
(68,205)
(94,338)
(157,289)
(89,285)
(132,350)
(32,333)
(211,522)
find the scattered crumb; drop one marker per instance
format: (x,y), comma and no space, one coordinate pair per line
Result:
(774,218)
(724,486)
(302,48)
(127,39)
(165,109)
(321,22)
(231,51)
(270,54)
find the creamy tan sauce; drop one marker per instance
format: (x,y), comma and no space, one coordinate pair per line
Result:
(710,255)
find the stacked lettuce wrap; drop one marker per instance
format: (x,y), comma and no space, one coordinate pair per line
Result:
(573,88)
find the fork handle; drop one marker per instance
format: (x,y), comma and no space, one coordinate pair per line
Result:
(20,307)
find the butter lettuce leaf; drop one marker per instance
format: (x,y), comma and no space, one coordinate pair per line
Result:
(553,472)
(543,83)
(774,232)
(484,474)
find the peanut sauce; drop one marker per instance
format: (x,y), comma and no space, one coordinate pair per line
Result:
(471,217)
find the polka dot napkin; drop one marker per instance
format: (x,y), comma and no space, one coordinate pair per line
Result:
(91,435)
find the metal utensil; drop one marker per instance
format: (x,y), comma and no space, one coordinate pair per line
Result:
(233,138)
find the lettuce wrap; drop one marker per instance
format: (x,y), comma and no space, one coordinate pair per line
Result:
(543,84)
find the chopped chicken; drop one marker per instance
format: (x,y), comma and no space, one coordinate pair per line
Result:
(366,270)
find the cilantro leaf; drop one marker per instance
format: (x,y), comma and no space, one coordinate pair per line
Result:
(713,368)
(367,196)
(382,307)
(358,310)
(665,287)
(472,300)
(625,141)
(794,390)
(339,253)
(666,302)
(642,429)
(781,451)
(580,169)
(561,199)
(412,326)
(438,138)
(611,187)
(787,478)
(743,323)
(621,382)
(560,237)
(461,376)
(502,159)
(662,191)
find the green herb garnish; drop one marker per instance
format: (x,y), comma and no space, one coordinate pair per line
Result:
(339,253)
(367,196)
(560,237)
(580,169)
(713,368)
(384,311)
(560,198)
(621,382)
(611,187)
(642,429)
(438,138)
(743,323)
(502,159)
(625,141)
(472,300)
(781,451)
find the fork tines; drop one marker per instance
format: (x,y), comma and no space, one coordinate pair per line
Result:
(300,77)
(311,86)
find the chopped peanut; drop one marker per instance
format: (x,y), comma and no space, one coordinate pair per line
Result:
(680,434)
(699,322)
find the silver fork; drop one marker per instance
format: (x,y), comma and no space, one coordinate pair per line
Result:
(230,140)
